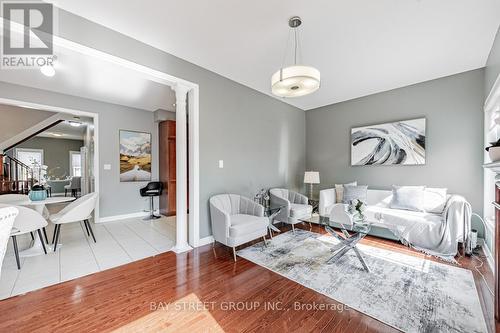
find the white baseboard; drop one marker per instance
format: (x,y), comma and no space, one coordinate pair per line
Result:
(181,249)
(487,253)
(123,216)
(205,241)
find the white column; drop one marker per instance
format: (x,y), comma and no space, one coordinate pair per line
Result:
(181,169)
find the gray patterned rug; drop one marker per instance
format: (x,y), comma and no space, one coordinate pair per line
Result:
(408,293)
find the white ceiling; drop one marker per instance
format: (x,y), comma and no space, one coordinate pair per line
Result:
(93,78)
(360,46)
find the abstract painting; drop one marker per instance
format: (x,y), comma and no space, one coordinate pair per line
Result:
(400,142)
(135,156)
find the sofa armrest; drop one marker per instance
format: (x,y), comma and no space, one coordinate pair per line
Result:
(458,214)
(279,201)
(221,221)
(250,207)
(327,198)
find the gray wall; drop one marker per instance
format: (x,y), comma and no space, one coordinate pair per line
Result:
(454,155)
(115,198)
(260,139)
(55,152)
(493,65)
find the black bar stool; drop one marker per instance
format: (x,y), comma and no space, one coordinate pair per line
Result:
(151,190)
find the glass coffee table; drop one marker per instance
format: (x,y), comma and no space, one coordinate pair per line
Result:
(350,237)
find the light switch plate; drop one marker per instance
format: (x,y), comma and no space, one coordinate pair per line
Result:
(221,164)
(107,166)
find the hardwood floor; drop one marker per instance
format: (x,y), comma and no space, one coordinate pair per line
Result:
(199,291)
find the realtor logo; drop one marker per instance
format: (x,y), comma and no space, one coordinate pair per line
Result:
(27,36)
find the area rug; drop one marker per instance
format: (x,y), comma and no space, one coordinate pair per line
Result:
(408,293)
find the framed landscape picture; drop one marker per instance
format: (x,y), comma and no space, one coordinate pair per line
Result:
(397,143)
(135,156)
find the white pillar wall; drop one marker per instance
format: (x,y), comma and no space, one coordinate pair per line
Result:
(181,169)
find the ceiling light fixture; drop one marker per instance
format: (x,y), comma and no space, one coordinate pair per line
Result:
(295,80)
(74,123)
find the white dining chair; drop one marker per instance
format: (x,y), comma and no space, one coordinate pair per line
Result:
(27,221)
(10,198)
(7,217)
(77,211)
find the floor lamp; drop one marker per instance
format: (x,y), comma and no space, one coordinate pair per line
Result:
(311,178)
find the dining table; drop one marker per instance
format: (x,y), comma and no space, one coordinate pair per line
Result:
(37,248)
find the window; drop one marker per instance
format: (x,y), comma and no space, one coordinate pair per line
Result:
(75,163)
(30,157)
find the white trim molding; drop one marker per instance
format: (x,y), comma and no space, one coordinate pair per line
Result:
(122,217)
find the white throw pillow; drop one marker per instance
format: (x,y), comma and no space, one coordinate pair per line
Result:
(408,198)
(339,191)
(435,200)
(358,192)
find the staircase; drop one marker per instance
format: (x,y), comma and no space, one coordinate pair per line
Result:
(15,176)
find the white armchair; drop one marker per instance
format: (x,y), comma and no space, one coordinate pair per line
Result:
(296,206)
(236,220)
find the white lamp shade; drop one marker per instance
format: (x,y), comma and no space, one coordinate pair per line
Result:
(295,81)
(311,177)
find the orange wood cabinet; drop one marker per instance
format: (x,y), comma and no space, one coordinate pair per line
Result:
(166,138)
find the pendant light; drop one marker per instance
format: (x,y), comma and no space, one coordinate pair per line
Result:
(295,80)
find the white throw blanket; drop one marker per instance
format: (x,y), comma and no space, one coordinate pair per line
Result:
(434,234)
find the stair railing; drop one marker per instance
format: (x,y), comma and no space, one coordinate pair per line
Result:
(17,176)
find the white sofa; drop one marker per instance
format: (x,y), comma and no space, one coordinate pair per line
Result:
(434,233)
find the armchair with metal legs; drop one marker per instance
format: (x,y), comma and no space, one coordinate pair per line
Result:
(237,220)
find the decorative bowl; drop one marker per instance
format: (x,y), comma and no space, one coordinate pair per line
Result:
(37,194)
(494,154)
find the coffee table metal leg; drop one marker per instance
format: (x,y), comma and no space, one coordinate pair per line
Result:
(363,262)
(339,254)
(347,243)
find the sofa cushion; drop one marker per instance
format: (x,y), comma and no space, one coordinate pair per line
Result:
(435,200)
(339,191)
(352,192)
(242,224)
(401,217)
(300,211)
(408,198)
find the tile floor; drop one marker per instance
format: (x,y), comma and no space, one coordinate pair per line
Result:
(118,243)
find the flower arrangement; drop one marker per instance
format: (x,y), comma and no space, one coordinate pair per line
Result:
(357,209)
(262,198)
